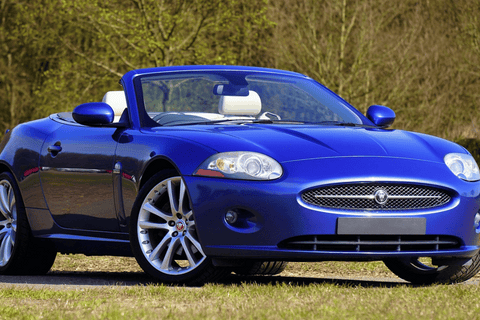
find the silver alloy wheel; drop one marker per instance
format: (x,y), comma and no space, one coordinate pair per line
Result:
(8,221)
(166,229)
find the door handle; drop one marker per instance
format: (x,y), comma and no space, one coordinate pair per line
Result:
(55,149)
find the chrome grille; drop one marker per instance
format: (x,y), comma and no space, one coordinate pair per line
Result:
(371,243)
(362,197)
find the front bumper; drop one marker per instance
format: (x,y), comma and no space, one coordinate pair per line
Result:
(273,211)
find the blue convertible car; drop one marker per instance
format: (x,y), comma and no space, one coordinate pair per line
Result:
(199,171)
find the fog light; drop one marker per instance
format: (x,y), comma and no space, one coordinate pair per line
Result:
(476,222)
(231,217)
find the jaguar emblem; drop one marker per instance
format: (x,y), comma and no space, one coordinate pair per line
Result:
(180,225)
(381,196)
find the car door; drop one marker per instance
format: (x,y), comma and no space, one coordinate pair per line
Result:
(76,174)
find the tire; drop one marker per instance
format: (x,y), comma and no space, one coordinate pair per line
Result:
(163,233)
(20,252)
(417,272)
(261,268)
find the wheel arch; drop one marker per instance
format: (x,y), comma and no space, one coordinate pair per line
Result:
(5,167)
(156,165)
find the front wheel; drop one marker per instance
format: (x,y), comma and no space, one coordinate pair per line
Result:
(418,271)
(20,252)
(164,236)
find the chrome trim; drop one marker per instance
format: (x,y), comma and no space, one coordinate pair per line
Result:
(117,169)
(372,197)
(365,197)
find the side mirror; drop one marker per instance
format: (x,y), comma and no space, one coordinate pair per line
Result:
(93,113)
(381,116)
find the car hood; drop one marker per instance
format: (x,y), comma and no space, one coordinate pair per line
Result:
(294,142)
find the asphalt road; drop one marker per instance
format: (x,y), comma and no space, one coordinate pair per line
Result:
(81,280)
(74,280)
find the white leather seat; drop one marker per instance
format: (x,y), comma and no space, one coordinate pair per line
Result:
(116,100)
(250,105)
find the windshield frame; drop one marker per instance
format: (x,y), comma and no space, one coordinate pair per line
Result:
(237,76)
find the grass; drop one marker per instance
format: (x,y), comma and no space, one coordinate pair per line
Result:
(81,263)
(304,291)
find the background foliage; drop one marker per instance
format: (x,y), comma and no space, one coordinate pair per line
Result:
(419,57)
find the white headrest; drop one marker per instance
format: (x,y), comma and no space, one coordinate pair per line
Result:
(250,105)
(116,100)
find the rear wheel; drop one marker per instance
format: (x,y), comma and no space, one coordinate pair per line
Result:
(261,268)
(20,252)
(419,271)
(164,236)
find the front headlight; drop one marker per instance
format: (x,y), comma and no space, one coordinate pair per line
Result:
(463,166)
(240,165)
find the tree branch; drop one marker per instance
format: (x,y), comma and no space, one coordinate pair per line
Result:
(81,54)
(112,45)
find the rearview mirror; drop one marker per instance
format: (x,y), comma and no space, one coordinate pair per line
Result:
(230,90)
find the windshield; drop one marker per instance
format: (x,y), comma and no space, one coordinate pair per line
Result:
(239,96)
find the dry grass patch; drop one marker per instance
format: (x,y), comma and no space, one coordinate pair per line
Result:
(80,262)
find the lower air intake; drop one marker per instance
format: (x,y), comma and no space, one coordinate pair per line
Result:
(373,243)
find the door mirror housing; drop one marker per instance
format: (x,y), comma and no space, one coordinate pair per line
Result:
(381,116)
(93,113)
